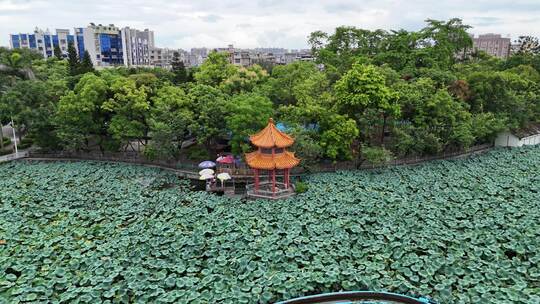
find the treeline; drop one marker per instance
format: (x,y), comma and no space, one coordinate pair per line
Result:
(369,94)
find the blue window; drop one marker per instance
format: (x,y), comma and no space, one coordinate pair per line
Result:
(15,41)
(111,48)
(70,39)
(55,40)
(32,41)
(47,39)
(80,45)
(105,42)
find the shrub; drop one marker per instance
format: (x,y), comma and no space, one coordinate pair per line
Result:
(26,143)
(376,155)
(6,141)
(301,187)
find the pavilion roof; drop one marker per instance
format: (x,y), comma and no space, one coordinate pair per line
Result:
(271,136)
(284,160)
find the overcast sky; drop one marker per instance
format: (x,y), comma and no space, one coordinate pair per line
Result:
(264,23)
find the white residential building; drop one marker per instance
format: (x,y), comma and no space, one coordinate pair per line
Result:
(136,46)
(103,43)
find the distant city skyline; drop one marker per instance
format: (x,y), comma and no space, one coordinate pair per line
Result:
(263,23)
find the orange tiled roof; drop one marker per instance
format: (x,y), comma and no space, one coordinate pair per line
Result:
(271,137)
(285,160)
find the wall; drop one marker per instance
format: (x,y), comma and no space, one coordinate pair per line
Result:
(507,139)
(531,140)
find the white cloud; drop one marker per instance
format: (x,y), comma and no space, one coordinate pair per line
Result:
(217,23)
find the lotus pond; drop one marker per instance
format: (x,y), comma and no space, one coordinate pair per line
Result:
(462,231)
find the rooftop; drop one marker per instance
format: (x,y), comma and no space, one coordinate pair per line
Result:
(271,136)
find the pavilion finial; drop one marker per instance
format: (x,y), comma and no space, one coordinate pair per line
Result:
(270,120)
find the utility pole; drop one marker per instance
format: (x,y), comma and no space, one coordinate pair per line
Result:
(14,137)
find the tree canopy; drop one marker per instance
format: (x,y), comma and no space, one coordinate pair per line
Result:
(369,94)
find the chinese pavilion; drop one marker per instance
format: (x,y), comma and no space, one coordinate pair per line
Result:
(270,162)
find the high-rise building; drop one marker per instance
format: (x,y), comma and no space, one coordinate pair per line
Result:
(103,43)
(137,46)
(493,44)
(43,41)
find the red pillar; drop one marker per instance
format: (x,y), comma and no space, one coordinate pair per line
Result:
(256,180)
(273,181)
(286,173)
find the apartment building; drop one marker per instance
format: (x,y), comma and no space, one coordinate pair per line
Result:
(163,57)
(137,46)
(102,42)
(42,41)
(493,44)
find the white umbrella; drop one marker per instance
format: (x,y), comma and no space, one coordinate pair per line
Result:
(206,172)
(223,177)
(206,176)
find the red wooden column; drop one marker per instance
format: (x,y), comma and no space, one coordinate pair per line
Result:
(256,180)
(286,173)
(274,182)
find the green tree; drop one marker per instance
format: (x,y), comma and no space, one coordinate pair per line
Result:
(58,53)
(506,94)
(363,94)
(445,39)
(527,45)
(73,60)
(431,120)
(179,69)
(306,146)
(286,77)
(86,65)
(244,79)
(79,118)
(248,113)
(338,135)
(129,108)
(215,69)
(340,50)
(170,122)
(23,102)
(209,105)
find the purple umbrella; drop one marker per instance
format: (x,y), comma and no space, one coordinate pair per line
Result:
(207,164)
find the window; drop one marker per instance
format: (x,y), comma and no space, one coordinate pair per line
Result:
(278,150)
(266,150)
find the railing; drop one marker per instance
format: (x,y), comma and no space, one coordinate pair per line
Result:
(354,165)
(13,156)
(364,296)
(128,157)
(264,190)
(191,168)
